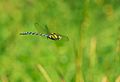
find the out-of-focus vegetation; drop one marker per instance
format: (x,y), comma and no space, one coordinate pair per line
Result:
(91,55)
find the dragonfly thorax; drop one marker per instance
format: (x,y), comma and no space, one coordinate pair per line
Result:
(54,36)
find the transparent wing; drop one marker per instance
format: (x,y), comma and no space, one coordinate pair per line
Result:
(64,38)
(46,28)
(42,29)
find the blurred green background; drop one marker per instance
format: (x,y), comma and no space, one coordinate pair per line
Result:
(91,55)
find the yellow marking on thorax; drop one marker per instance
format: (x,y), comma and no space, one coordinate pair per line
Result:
(54,36)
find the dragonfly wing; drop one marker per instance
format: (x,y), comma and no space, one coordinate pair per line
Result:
(41,29)
(64,38)
(36,26)
(47,30)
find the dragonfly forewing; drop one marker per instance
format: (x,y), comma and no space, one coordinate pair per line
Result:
(42,29)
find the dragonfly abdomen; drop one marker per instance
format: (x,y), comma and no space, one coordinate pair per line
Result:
(29,33)
(33,33)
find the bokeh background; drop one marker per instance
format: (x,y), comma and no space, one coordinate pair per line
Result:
(92,53)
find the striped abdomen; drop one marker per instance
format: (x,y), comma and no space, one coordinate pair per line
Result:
(33,33)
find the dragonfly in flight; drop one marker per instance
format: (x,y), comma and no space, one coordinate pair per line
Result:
(47,33)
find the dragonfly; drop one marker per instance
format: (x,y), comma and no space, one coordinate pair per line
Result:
(50,35)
